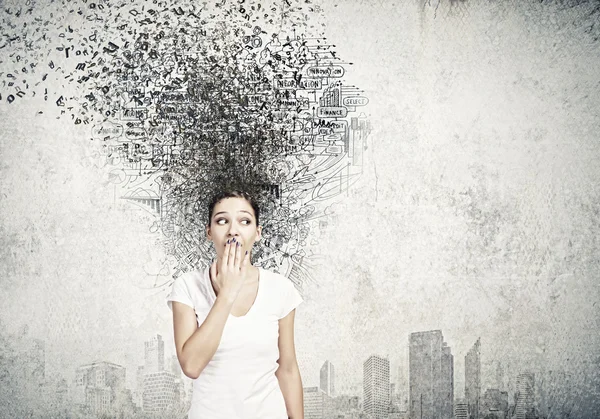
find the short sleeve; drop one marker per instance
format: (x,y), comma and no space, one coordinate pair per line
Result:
(290,298)
(180,293)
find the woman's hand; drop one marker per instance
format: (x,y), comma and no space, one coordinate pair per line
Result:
(196,345)
(228,277)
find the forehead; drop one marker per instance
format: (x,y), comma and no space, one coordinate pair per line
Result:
(233,205)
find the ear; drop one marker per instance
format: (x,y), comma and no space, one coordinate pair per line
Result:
(208,236)
(258,233)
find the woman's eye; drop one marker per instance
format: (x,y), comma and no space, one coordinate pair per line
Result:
(222,221)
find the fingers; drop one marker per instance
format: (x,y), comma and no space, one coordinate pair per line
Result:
(238,256)
(232,249)
(245,262)
(234,259)
(225,258)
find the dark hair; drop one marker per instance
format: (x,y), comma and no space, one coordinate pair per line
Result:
(232,193)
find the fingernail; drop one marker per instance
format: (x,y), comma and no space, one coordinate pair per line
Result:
(246,252)
(227,241)
(233,239)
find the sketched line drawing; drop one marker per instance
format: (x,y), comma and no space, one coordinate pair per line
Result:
(187,100)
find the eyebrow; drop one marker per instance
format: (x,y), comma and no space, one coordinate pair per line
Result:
(225,212)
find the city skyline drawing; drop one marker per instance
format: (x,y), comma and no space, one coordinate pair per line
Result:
(162,390)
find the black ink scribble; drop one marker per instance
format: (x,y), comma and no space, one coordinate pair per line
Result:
(188,99)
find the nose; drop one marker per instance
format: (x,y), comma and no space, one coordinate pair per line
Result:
(233,230)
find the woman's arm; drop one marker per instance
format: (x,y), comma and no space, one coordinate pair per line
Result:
(196,345)
(288,372)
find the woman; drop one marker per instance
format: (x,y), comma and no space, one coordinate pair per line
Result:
(234,324)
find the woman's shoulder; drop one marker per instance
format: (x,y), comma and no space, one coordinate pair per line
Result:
(194,280)
(190,276)
(188,289)
(276,279)
(283,292)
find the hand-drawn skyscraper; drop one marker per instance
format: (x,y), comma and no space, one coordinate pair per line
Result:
(525,395)
(327,379)
(473,380)
(376,387)
(431,376)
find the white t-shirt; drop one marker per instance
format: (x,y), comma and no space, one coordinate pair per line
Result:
(239,382)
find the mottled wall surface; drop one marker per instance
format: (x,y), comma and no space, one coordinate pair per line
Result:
(477,212)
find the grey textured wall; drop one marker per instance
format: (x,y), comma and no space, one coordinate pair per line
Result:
(478,212)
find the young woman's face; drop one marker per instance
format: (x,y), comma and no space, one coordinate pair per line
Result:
(233,217)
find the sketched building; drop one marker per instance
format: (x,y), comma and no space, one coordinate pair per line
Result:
(500,377)
(154,354)
(402,388)
(461,410)
(327,379)
(376,387)
(317,404)
(98,386)
(349,388)
(524,407)
(160,391)
(494,403)
(31,360)
(431,376)
(447,382)
(473,379)
(345,407)
(180,396)
(175,367)
(139,390)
